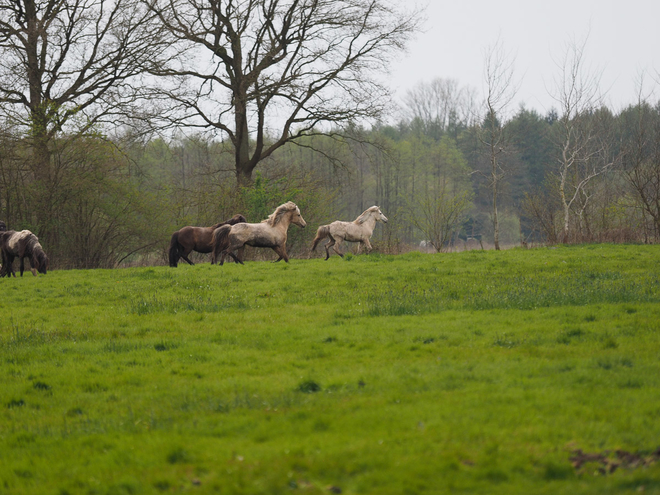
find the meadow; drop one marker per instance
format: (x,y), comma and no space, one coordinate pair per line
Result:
(521,371)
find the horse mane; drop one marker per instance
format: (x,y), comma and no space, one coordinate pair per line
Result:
(279,212)
(238,218)
(365,214)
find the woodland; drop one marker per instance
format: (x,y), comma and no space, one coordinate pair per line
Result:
(121,122)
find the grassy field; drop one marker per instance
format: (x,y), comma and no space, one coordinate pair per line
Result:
(475,372)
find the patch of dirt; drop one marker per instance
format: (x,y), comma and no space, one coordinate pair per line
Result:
(610,461)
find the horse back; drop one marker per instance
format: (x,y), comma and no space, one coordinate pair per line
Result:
(348,231)
(198,239)
(258,234)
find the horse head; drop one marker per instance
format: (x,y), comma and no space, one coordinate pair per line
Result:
(297,218)
(289,208)
(41,261)
(372,211)
(379,215)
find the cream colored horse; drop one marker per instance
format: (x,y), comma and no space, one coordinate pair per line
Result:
(270,233)
(359,230)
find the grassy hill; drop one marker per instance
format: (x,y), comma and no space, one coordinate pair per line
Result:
(475,372)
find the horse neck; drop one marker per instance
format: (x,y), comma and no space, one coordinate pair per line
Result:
(283,224)
(369,224)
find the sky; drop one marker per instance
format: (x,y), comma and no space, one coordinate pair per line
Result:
(622,40)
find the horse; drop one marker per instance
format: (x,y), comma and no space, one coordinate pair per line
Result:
(359,230)
(3,226)
(198,239)
(23,245)
(270,233)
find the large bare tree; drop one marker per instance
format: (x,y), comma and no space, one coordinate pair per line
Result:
(264,73)
(69,66)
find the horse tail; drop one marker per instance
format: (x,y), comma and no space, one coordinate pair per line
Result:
(174,249)
(321,233)
(220,241)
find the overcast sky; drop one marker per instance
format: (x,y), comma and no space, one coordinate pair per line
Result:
(623,39)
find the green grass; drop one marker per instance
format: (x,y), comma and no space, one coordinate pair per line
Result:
(476,372)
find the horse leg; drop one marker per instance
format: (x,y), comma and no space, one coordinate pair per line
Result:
(234,246)
(10,266)
(367,245)
(236,258)
(328,245)
(281,251)
(336,246)
(21,263)
(240,252)
(184,256)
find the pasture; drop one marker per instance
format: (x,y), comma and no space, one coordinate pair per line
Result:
(474,372)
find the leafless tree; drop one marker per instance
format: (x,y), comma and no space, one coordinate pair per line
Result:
(583,153)
(70,66)
(268,72)
(501,88)
(641,156)
(441,105)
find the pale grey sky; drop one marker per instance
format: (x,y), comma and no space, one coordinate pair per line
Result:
(623,39)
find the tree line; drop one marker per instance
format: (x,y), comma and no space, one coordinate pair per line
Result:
(123,121)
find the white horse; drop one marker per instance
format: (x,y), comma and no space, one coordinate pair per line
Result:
(359,230)
(270,233)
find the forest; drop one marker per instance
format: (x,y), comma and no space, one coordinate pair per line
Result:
(106,151)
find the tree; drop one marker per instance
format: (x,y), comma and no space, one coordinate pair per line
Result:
(438,206)
(68,66)
(583,152)
(641,157)
(284,67)
(500,91)
(441,106)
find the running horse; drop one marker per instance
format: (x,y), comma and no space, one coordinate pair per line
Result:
(198,239)
(359,230)
(270,233)
(23,245)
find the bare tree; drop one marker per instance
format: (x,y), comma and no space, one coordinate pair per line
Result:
(290,64)
(441,105)
(500,91)
(583,154)
(641,156)
(69,66)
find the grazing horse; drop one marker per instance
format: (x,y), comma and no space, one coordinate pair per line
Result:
(198,239)
(359,230)
(23,245)
(270,233)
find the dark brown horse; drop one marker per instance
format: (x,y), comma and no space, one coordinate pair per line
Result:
(198,239)
(23,245)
